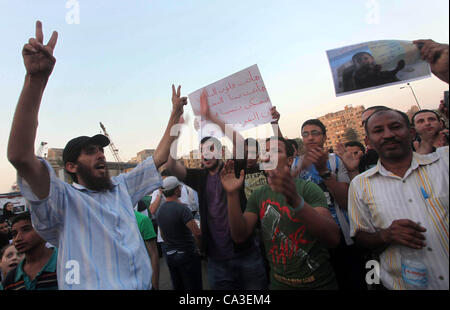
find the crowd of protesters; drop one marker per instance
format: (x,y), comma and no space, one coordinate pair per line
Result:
(278,218)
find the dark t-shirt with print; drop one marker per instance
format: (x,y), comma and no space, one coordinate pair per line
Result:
(297,259)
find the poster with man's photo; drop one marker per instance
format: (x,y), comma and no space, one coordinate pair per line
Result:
(375,64)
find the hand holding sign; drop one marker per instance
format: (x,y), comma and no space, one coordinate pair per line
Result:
(375,64)
(275,115)
(436,55)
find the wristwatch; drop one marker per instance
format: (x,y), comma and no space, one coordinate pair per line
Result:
(301,205)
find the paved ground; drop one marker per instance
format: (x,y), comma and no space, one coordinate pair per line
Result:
(164,275)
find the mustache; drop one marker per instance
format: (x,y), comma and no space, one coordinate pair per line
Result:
(390,141)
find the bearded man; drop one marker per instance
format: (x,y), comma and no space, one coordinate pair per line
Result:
(92,220)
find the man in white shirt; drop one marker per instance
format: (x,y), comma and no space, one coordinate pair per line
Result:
(402,202)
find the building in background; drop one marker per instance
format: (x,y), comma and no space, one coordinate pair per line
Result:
(343,126)
(141,156)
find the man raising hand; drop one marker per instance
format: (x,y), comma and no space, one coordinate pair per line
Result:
(92,220)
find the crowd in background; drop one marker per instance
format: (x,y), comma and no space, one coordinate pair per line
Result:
(279,218)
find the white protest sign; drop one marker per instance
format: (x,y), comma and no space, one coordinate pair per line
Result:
(240,100)
(375,64)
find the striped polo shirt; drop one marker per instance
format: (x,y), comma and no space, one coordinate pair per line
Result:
(377,197)
(99,244)
(46,278)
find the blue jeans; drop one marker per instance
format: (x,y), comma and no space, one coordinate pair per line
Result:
(245,272)
(185,270)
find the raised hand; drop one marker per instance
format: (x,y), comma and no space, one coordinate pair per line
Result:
(425,146)
(38,58)
(177,101)
(275,115)
(436,55)
(281,181)
(318,157)
(350,160)
(443,109)
(443,138)
(229,181)
(204,107)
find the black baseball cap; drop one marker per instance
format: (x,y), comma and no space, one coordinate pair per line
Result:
(73,147)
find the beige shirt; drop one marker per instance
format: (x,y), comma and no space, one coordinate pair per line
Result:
(377,198)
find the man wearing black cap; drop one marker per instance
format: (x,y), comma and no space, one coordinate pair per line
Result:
(92,220)
(97,178)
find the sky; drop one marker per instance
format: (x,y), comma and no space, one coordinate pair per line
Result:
(117,60)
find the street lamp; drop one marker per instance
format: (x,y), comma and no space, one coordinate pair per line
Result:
(413,94)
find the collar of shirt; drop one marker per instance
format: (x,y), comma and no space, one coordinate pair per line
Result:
(50,266)
(417,160)
(82,188)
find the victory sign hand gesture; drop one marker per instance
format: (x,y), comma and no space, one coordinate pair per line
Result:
(38,58)
(178,102)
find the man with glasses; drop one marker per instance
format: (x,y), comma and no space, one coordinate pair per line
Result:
(328,171)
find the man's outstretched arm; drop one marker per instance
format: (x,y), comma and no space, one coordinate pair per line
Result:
(162,151)
(234,136)
(39,63)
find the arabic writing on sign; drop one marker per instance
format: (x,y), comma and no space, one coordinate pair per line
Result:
(240,99)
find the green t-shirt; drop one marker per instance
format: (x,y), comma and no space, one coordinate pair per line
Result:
(297,259)
(145,226)
(253,181)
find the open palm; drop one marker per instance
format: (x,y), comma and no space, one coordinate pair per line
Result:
(351,161)
(38,58)
(229,181)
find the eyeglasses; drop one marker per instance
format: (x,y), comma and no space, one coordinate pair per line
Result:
(314,133)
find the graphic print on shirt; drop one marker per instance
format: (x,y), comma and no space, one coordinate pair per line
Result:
(285,234)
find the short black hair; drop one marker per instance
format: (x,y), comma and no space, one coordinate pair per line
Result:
(403,115)
(356,143)
(288,146)
(213,139)
(357,56)
(217,146)
(376,107)
(424,111)
(25,216)
(315,122)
